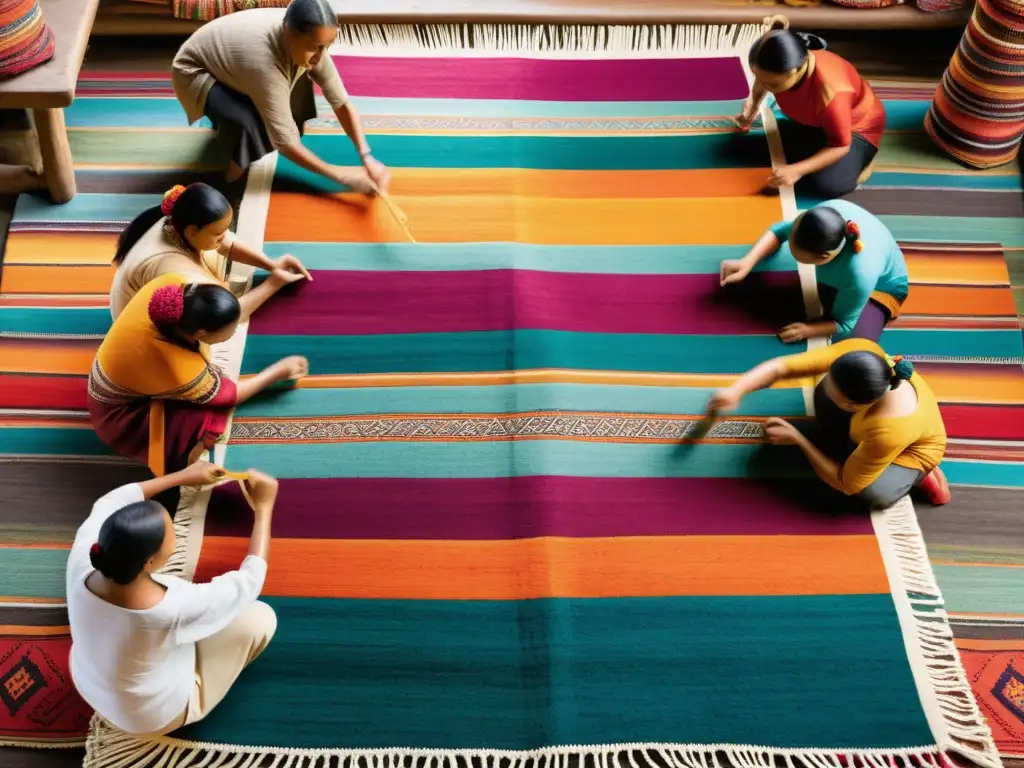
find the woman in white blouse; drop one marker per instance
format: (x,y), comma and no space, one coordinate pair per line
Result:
(151,653)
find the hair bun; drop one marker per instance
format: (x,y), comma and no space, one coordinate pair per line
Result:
(167,305)
(902,369)
(170,198)
(812,42)
(96,557)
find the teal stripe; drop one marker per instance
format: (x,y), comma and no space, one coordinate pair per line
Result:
(119,112)
(33,572)
(905,115)
(809,671)
(990,473)
(981,589)
(952,343)
(943,181)
(429,257)
(93,321)
(55,441)
(86,206)
(515,350)
(516,398)
(518,458)
(936,229)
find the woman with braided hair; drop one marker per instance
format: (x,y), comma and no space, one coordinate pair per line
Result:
(154,395)
(835,121)
(189,234)
(860,269)
(873,437)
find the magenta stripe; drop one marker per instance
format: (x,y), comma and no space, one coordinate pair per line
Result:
(715,79)
(525,507)
(340,303)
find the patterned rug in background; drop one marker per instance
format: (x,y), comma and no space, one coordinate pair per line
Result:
(488,535)
(54,283)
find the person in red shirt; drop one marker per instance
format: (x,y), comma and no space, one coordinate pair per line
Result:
(835,121)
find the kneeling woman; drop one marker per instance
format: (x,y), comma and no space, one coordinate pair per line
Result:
(154,394)
(188,234)
(151,652)
(879,431)
(860,269)
(835,120)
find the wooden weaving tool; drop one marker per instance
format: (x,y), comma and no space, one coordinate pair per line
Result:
(703,427)
(240,478)
(398,215)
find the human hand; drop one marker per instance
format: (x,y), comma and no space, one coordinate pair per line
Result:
(291,368)
(784,176)
(795,332)
(201,473)
(746,116)
(378,173)
(290,263)
(724,400)
(733,271)
(279,278)
(263,491)
(356,181)
(781,432)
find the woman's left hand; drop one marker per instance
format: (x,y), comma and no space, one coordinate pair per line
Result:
(378,172)
(794,332)
(289,263)
(784,176)
(780,432)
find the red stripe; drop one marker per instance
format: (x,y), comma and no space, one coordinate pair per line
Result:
(49,392)
(984,422)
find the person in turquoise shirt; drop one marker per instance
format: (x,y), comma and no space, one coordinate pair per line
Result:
(861,273)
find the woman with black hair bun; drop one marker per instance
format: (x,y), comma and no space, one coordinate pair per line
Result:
(152,652)
(860,270)
(835,120)
(875,439)
(154,394)
(189,234)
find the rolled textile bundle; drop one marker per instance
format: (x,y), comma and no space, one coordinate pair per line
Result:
(938,6)
(25,39)
(977,114)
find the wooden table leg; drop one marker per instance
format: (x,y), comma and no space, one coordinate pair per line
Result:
(58,167)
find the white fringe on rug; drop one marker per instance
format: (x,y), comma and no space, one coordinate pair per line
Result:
(546,40)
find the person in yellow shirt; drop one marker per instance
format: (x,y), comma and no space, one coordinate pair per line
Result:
(875,437)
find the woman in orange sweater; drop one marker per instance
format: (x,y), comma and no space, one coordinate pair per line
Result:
(835,120)
(875,439)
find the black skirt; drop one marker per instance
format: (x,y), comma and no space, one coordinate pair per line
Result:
(239,125)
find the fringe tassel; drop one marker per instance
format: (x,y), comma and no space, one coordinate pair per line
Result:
(550,40)
(946,695)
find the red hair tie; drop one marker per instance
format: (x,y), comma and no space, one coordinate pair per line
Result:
(167,305)
(853,235)
(94,549)
(170,198)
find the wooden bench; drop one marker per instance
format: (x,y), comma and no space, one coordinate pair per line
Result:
(46,90)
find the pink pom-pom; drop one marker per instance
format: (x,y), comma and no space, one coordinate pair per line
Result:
(166,305)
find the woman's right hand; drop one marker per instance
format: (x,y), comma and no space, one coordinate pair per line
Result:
(746,117)
(356,180)
(724,400)
(290,368)
(263,490)
(733,271)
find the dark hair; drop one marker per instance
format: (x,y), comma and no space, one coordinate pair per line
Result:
(863,376)
(127,539)
(205,307)
(820,229)
(199,205)
(780,50)
(303,16)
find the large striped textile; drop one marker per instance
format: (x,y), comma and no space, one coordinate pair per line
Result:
(490,540)
(977,114)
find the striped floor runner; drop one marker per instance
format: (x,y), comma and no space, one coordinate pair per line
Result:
(56,273)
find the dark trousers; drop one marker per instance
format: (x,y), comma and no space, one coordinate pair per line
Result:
(839,179)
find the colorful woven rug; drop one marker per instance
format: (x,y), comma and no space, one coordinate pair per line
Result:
(491,541)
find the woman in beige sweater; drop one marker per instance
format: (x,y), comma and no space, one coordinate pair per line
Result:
(244,71)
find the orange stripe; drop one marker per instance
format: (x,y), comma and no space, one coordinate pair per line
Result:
(954,268)
(520,182)
(47,356)
(11,629)
(60,247)
(942,300)
(348,218)
(536,376)
(977,565)
(989,645)
(32,600)
(63,279)
(559,567)
(989,384)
